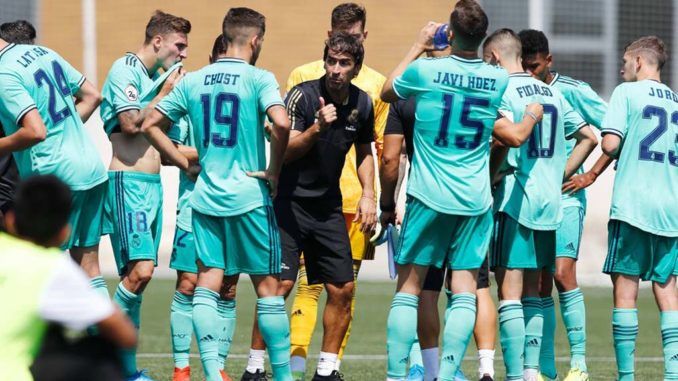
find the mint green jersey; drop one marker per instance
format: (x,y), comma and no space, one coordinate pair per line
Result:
(645,115)
(127,82)
(181,133)
(530,192)
(35,77)
(592,108)
(457,102)
(226,103)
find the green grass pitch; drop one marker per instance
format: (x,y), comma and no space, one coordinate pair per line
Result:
(367,346)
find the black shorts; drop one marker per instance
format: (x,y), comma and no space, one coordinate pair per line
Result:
(435,278)
(318,229)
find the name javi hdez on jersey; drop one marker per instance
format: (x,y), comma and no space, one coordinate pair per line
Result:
(457,102)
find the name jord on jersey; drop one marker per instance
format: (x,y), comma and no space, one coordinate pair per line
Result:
(663,94)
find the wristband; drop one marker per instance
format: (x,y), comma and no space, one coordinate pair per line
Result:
(532,115)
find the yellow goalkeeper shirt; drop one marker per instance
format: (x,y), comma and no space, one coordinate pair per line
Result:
(371,82)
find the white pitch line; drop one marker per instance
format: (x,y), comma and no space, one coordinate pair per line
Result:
(383,357)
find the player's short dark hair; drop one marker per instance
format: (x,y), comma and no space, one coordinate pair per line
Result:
(534,42)
(345,43)
(652,47)
(239,19)
(219,47)
(469,24)
(346,14)
(162,23)
(506,39)
(42,205)
(18,32)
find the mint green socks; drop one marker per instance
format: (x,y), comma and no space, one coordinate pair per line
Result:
(668,321)
(573,311)
(534,325)
(226,311)
(457,333)
(547,358)
(207,330)
(181,328)
(99,285)
(401,332)
(275,328)
(130,304)
(415,355)
(624,332)
(512,337)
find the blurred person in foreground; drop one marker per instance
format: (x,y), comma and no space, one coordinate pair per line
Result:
(40,285)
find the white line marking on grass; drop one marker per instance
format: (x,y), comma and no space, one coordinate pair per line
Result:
(383,357)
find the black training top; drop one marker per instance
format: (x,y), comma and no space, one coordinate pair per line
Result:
(401,122)
(9,177)
(316,174)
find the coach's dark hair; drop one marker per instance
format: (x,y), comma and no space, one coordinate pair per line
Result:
(346,14)
(162,23)
(469,24)
(652,47)
(345,43)
(534,42)
(42,205)
(219,47)
(18,32)
(238,19)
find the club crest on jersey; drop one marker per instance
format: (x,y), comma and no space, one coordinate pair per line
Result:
(131,93)
(352,120)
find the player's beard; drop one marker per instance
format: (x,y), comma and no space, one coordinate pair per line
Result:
(255,55)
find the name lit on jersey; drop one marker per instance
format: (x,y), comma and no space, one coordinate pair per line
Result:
(663,94)
(526,91)
(225,78)
(31,55)
(452,79)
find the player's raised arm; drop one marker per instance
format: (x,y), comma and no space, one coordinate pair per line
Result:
(423,43)
(388,175)
(515,134)
(131,121)
(280,136)
(87,99)
(586,142)
(31,132)
(154,127)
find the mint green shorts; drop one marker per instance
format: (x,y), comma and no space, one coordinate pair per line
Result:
(568,235)
(183,253)
(635,252)
(247,243)
(431,238)
(134,209)
(87,217)
(515,246)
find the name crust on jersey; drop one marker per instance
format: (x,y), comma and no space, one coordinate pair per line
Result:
(221,78)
